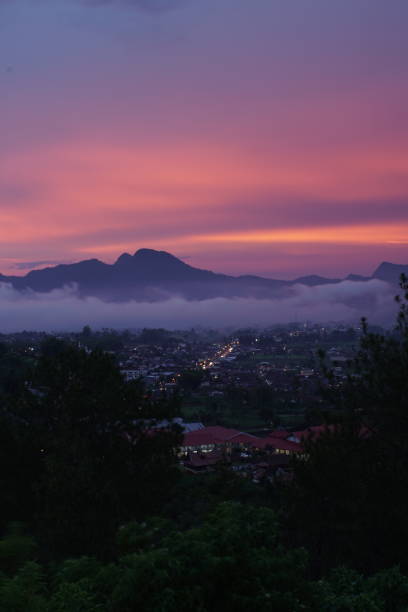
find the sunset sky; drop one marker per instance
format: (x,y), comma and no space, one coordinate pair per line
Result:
(246,136)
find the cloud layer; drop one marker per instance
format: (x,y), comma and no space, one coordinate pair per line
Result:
(63,310)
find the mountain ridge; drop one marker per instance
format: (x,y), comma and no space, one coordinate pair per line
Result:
(151,275)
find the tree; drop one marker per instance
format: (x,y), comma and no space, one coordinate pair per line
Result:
(347,590)
(190,380)
(16,548)
(349,500)
(98,462)
(24,592)
(232,562)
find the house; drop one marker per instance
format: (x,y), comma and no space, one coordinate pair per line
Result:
(213,438)
(278,444)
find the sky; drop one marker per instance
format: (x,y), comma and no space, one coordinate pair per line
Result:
(245,136)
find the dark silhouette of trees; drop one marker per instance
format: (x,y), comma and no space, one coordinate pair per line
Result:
(350,497)
(83,453)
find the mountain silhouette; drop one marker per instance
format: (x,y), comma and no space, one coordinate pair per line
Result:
(151,275)
(390,273)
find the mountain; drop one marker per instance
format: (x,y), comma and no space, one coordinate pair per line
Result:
(390,272)
(151,275)
(357,278)
(147,275)
(313,280)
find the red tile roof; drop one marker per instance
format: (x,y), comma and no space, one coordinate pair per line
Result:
(244,438)
(279,433)
(216,435)
(279,444)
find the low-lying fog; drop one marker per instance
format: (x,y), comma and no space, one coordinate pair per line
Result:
(63,310)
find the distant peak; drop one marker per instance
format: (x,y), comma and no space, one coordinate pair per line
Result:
(145,252)
(386,267)
(390,272)
(125,257)
(144,255)
(385,264)
(152,253)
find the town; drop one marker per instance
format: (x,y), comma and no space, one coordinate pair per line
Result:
(246,400)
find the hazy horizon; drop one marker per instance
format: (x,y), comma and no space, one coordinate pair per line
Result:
(64,310)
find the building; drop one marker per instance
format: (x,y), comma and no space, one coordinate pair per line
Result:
(214,438)
(278,444)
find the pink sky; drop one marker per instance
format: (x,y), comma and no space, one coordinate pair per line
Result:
(270,140)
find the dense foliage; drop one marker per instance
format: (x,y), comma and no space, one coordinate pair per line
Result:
(350,498)
(233,561)
(81,458)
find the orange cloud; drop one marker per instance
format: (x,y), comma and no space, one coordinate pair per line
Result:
(99,200)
